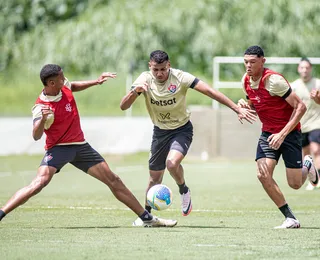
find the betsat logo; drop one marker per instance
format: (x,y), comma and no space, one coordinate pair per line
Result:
(163,102)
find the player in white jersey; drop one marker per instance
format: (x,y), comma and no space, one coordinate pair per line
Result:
(164,90)
(308,89)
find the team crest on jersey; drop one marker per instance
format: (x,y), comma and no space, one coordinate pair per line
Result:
(172,88)
(68,107)
(257,98)
(48,158)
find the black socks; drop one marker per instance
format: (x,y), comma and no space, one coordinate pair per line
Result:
(148,208)
(2,214)
(183,188)
(286,211)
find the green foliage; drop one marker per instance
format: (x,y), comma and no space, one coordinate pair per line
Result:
(87,37)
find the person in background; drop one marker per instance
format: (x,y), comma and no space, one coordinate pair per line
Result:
(55,113)
(280,111)
(165,89)
(308,89)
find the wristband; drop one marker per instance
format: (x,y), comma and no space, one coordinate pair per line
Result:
(134,91)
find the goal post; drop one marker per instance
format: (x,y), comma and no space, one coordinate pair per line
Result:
(217,83)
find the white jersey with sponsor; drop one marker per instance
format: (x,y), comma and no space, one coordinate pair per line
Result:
(166,101)
(311,119)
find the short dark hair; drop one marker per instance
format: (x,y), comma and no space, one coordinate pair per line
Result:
(306,59)
(254,50)
(159,56)
(48,71)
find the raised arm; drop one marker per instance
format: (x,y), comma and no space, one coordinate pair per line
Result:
(243,113)
(82,85)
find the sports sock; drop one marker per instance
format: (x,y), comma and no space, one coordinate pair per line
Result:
(2,214)
(183,188)
(148,208)
(286,211)
(146,216)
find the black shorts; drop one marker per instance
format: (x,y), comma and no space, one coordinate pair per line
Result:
(82,156)
(163,141)
(290,149)
(312,136)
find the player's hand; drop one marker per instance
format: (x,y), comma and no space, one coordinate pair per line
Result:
(105,76)
(244,104)
(142,88)
(249,115)
(45,111)
(275,141)
(314,93)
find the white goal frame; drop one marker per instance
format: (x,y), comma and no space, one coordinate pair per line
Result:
(217,84)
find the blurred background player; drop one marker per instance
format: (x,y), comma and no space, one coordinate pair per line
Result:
(164,90)
(55,113)
(280,111)
(308,89)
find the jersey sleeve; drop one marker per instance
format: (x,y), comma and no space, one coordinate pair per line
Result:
(242,83)
(140,80)
(188,80)
(36,112)
(67,83)
(278,86)
(37,115)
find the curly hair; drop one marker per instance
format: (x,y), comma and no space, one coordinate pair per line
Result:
(48,71)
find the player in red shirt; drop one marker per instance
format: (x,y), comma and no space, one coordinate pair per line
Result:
(280,111)
(55,114)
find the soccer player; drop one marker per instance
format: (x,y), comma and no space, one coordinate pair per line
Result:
(164,89)
(280,111)
(308,89)
(55,113)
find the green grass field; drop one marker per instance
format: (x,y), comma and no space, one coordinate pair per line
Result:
(76,217)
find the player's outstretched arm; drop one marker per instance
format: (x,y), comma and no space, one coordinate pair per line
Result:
(243,113)
(84,84)
(130,97)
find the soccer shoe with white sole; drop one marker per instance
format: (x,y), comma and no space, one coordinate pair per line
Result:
(160,222)
(313,174)
(137,223)
(186,204)
(289,223)
(310,186)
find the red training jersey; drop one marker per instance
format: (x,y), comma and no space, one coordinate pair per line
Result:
(66,127)
(274,112)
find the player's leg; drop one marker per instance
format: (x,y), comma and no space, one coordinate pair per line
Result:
(43,177)
(306,151)
(267,159)
(179,145)
(91,162)
(265,175)
(314,138)
(173,163)
(53,160)
(296,169)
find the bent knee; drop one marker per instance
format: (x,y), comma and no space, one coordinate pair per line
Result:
(295,185)
(172,165)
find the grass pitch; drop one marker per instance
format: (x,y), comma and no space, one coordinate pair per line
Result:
(76,217)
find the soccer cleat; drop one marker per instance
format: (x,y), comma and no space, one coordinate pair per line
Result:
(160,222)
(289,223)
(186,204)
(313,174)
(310,186)
(137,223)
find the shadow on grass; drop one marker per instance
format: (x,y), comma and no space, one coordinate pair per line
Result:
(176,227)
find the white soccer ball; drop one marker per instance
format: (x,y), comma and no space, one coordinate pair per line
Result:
(159,197)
